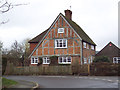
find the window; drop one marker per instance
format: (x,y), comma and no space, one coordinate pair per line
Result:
(60,30)
(84,44)
(34,60)
(64,60)
(92,47)
(46,60)
(85,60)
(116,60)
(87,46)
(61,43)
(91,59)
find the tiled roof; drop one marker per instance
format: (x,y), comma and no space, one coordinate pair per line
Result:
(79,31)
(75,26)
(38,38)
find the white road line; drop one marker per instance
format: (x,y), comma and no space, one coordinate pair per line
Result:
(96,78)
(104,79)
(109,80)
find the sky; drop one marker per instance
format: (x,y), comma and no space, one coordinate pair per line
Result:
(98,18)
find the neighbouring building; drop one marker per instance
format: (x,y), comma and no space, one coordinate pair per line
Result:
(111,51)
(65,39)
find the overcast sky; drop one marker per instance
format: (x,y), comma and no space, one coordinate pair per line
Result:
(98,18)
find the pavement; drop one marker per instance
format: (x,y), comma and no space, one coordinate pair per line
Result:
(25,84)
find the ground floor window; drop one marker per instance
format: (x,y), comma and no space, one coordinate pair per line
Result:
(46,60)
(116,59)
(64,60)
(34,60)
(85,60)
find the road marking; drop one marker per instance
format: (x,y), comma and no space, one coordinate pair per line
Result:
(109,80)
(96,78)
(103,79)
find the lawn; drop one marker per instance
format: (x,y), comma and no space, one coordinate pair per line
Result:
(6,82)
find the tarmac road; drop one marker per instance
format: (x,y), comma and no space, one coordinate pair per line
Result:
(70,81)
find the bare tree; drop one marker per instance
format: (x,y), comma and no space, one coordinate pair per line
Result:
(5,6)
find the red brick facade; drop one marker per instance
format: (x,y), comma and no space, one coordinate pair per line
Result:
(74,43)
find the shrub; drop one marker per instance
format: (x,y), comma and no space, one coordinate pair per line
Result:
(4,64)
(54,60)
(40,61)
(101,59)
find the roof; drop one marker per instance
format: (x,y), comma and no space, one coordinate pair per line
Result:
(38,37)
(75,26)
(109,50)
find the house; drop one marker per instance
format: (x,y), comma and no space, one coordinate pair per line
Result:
(65,39)
(111,51)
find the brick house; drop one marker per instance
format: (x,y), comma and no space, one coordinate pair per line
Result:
(65,39)
(111,51)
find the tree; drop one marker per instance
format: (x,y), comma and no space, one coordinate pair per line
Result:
(5,6)
(101,59)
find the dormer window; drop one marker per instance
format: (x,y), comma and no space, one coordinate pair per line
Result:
(60,30)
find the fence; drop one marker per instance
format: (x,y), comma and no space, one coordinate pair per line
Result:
(104,69)
(48,70)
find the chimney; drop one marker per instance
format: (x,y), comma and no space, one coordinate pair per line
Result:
(68,14)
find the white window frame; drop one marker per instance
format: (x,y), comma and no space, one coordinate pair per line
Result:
(46,60)
(84,44)
(117,59)
(58,42)
(92,47)
(91,59)
(60,30)
(85,60)
(35,59)
(67,61)
(87,46)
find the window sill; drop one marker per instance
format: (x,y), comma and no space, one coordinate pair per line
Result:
(34,63)
(46,63)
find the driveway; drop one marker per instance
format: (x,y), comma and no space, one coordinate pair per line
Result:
(70,81)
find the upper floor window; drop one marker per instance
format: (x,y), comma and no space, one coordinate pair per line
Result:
(46,60)
(34,60)
(61,43)
(60,30)
(92,47)
(87,46)
(84,44)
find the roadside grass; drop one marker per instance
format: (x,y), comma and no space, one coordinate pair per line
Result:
(7,83)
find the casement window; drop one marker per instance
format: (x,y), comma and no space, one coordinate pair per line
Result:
(91,59)
(34,60)
(84,44)
(46,60)
(92,47)
(61,43)
(60,30)
(116,60)
(87,46)
(85,60)
(64,60)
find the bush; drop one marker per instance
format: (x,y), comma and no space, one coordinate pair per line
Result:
(101,59)
(54,60)
(40,61)
(4,64)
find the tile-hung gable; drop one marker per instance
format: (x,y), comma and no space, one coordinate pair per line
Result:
(64,38)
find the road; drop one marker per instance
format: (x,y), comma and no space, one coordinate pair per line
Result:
(70,81)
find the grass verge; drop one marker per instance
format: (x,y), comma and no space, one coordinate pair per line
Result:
(7,83)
